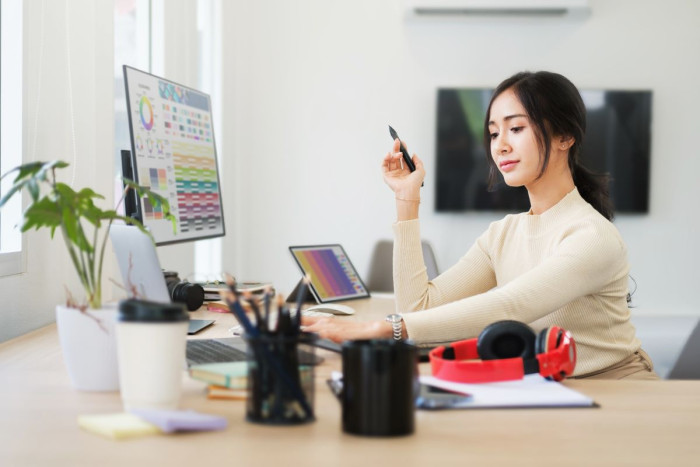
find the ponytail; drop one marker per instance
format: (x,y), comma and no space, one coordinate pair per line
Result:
(594,188)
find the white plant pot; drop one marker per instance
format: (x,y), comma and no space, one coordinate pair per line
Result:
(89,348)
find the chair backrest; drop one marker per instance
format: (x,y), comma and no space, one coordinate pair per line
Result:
(430,261)
(687,365)
(380,278)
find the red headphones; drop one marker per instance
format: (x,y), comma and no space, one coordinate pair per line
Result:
(506,350)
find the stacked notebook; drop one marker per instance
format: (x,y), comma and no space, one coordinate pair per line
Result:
(227,380)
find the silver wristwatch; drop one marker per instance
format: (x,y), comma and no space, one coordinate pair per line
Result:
(396,321)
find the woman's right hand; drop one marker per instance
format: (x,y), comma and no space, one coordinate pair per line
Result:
(398,176)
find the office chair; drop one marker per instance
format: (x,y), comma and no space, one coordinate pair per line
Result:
(380,277)
(687,365)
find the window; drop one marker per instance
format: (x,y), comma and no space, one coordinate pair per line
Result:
(140,41)
(11,259)
(132,46)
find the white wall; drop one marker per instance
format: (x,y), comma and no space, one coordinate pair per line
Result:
(28,300)
(312,85)
(309,88)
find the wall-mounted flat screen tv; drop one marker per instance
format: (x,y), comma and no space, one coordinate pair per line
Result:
(617,142)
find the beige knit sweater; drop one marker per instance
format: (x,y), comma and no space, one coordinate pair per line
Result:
(566,267)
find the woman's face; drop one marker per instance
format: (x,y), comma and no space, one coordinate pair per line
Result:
(514,145)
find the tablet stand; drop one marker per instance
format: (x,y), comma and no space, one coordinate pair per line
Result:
(308,296)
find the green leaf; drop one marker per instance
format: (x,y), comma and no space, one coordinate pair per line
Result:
(43,213)
(13,189)
(24,170)
(65,191)
(139,225)
(73,230)
(48,166)
(155,199)
(89,193)
(33,188)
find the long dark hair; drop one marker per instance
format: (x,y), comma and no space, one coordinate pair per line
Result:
(555,108)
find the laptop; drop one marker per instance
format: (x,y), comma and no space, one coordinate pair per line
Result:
(142,275)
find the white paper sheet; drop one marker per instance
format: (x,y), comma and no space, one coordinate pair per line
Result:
(532,391)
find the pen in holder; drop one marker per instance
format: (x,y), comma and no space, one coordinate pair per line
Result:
(280,383)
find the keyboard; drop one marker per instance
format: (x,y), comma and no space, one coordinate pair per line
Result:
(212,351)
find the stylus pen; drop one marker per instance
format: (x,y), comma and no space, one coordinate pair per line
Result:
(407,159)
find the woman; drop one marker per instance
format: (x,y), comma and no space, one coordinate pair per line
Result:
(562,263)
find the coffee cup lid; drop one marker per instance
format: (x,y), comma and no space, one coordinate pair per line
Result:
(144,311)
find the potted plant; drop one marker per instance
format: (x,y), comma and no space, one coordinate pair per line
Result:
(86,329)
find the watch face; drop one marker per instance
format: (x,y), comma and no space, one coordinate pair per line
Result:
(394,318)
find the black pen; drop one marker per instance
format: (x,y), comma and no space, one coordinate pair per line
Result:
(407,159)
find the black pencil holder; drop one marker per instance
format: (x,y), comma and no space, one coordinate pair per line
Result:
(281,379)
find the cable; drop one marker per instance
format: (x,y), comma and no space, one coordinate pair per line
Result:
(70,93)
(629,294)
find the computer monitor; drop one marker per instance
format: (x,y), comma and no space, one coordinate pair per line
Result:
(173,153)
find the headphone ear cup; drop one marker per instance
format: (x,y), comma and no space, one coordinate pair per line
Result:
(506,339)
(544,344)
(541,341)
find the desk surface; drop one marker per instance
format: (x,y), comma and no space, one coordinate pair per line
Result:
(638,423)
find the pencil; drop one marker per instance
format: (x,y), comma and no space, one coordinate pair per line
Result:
(238,311)
(254,305)
(300,299)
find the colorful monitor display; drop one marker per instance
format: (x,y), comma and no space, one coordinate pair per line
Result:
(173,152)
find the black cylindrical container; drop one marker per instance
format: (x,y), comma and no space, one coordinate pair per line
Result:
(281,379)
(380,378)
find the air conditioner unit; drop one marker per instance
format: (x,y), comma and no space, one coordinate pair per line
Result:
(497,8)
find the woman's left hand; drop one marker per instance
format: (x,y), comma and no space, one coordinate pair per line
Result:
(339,330)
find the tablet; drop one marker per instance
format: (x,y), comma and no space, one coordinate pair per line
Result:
(333,277)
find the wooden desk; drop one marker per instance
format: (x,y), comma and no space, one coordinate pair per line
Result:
(638,423)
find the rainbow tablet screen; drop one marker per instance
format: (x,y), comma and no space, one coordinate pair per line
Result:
(333,277)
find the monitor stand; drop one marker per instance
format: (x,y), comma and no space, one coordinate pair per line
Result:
(131,201)
(308,296)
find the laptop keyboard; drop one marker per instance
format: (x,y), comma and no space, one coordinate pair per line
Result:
(212,351)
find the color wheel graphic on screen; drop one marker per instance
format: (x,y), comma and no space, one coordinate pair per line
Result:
(146,112)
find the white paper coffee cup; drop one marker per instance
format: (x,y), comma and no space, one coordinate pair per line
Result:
(151,341)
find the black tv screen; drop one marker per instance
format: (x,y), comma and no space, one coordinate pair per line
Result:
(617,142)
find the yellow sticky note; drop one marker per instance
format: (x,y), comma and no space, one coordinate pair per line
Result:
(117,426)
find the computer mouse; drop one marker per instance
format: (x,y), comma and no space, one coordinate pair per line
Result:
(333,308)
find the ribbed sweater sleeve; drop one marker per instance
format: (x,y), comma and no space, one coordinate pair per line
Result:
(472,275)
